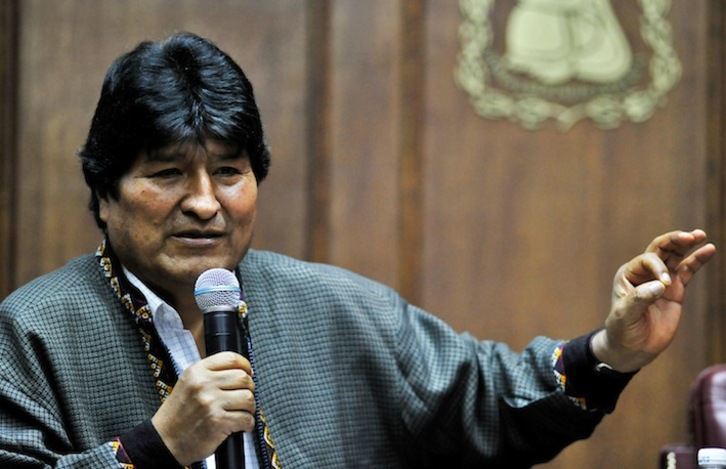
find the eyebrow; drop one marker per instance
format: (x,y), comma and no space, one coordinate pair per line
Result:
(177,152)
(232,155)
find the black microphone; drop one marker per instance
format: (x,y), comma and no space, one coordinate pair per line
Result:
(217,293)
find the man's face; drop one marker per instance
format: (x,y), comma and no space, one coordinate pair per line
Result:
(182,210)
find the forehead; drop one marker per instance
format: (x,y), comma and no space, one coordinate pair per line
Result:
(212,148)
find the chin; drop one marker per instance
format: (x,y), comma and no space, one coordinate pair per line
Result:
(201,262)
(205,264)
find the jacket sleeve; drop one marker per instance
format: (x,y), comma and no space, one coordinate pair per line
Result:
(32,433)
(54,376)
(478,403)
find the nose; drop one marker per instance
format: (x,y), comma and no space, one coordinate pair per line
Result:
(201,198)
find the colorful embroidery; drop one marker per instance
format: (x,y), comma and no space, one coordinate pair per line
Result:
(120,453)
(558,367)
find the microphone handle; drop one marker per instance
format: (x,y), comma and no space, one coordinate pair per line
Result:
(222,334)
(231,453)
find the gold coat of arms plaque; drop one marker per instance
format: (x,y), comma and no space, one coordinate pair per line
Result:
(566,61)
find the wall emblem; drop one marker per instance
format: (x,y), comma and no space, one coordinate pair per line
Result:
(565,60)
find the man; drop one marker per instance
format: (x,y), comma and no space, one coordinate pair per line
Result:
(110,368)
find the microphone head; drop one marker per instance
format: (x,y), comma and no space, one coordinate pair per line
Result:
(217,289)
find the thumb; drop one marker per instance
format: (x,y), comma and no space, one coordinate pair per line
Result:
(645,294)
(634,301)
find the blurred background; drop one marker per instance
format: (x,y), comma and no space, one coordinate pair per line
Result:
(382,162)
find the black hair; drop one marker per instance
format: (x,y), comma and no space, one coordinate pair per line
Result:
(183,88)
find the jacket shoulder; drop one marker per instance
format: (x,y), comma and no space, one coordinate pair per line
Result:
(272,269)
(77,282)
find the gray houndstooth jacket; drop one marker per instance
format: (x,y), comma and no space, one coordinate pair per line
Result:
(350,375)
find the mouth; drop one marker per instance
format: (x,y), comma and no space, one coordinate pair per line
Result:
(198,237)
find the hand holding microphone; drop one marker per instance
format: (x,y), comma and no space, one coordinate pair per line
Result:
(213,400)
(217,293)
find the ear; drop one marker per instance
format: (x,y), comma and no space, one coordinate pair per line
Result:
(103,205)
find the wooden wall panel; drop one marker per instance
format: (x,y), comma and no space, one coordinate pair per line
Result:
(412,86)
(364,138)
(318,15)
(8,80)
(716,177)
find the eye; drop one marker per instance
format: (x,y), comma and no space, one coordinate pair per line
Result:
(228,171)
(166,173)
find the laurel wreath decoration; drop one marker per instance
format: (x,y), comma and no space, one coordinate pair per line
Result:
(607,105)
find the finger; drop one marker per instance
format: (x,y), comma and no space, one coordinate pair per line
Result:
(242,400)
(637,301)
(227,361)
(648,292)
(695,261)
(241,421)
(673,246)
(239,410)
(232,420)
(233,379)
(678,241)
(644,268)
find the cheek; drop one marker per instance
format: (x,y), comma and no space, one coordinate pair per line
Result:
(250,202)
(251,210)
(244,204)
(134,217)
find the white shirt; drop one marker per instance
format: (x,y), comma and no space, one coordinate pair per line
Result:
(183,350)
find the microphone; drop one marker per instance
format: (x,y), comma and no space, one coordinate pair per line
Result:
(217,293)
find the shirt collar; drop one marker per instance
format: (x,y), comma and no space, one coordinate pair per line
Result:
(162,313)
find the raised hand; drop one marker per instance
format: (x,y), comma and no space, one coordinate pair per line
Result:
(647,299)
